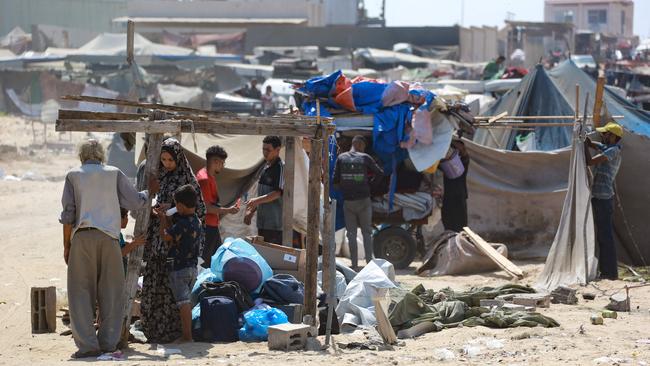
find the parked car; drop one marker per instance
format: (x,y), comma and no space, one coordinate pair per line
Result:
(225,102)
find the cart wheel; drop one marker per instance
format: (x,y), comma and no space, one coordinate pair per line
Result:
(396,245)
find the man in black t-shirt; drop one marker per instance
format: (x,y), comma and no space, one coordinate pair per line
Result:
(351,177)
(268,202)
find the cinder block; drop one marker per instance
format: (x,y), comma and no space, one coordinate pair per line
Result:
(43,309)
(564,295)
(534,300)
(489,303)
(290,337)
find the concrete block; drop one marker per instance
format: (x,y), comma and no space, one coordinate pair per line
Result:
(490,303)
(535,300)
(619,302)
(564,295)
(290,337)
(43,301)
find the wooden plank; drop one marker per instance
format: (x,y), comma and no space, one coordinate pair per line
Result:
(218,126)
(203,112)
(72,114)
(383,324)
(172,126)
(141,225)
(500,260)
(313,226)
(130,31)
(598,102)
(497,117)
(287,192)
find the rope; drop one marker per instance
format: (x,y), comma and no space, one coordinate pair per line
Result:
(627,226)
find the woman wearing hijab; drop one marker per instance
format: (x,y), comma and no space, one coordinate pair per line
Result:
(160,316)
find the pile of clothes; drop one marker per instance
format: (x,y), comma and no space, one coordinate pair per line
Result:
(448,309)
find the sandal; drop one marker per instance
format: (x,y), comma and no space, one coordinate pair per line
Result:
(88,354)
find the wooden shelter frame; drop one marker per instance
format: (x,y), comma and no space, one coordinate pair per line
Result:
(163,119)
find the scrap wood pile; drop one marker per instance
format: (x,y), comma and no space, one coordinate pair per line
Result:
(423,311)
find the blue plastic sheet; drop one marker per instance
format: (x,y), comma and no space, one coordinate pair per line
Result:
(321,86)
(257,322)
(367,96)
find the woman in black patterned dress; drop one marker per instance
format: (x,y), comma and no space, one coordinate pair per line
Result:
(160,317)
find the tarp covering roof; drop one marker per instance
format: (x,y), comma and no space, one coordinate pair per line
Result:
(114,44)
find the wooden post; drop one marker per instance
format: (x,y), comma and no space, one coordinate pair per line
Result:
(577,105)
(130,31)
(598,102)
(329,270)
(287,193)
(141,226)
(313,225)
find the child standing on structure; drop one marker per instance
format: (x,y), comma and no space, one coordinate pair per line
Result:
(184,236)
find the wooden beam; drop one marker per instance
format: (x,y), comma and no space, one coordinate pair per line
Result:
(238,126)
(193,111)
(130,31)
(497,117)
(164,126)
(313,225)
(491,253)
(598,102)
(73,114)
(287,193)
(141,225)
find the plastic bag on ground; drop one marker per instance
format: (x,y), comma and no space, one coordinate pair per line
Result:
(257,322)
(356,306)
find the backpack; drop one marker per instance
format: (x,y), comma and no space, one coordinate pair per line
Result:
(229,289)
(219,319)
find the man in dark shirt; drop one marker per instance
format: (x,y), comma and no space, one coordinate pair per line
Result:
(268,202)
(454,199)
(351,177)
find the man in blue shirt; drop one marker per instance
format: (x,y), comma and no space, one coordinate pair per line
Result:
(605,167)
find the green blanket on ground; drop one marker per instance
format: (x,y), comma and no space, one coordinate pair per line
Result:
(473,296)
(420,306)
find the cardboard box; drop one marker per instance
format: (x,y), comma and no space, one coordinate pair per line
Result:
(281,259)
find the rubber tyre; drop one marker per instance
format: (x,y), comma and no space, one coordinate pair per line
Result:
(396,245)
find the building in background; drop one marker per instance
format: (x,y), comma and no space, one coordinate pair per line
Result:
(107,15)
(610,17)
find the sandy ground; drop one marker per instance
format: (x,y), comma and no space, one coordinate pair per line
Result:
(32,256)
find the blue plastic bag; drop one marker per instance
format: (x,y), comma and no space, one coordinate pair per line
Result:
(239,250)
(257,322)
